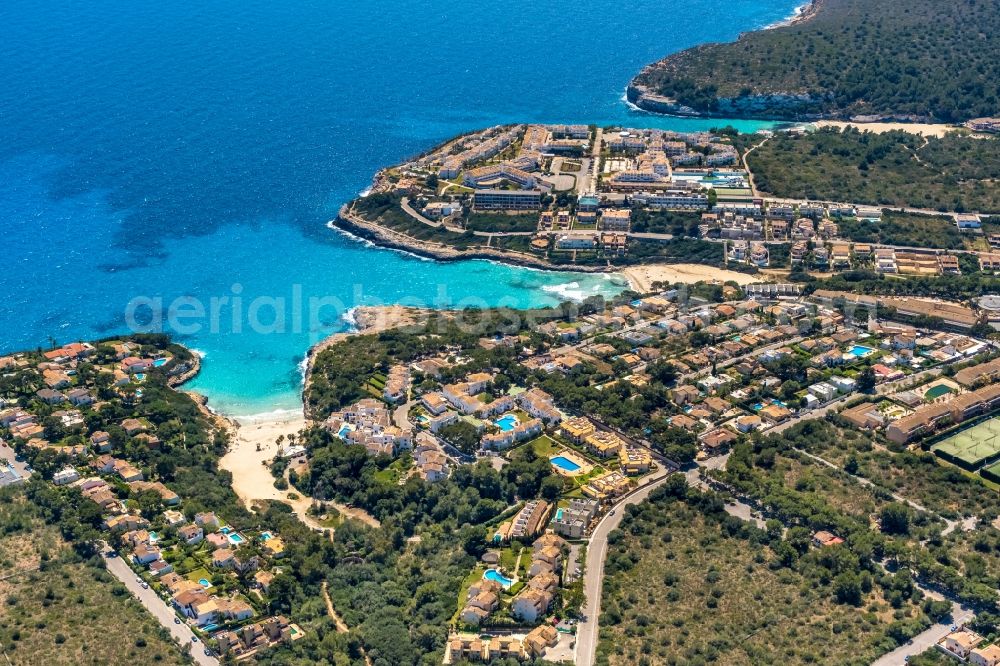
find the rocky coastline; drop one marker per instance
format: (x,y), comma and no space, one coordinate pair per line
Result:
(385,237)
(790,106)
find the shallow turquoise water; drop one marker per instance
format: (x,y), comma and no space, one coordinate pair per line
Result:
(169,150)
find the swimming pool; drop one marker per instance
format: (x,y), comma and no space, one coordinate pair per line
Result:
(140,377)
(860,351)
(344,429)
(160,362)
(564,463)
(226,529)
(497,577)
(559,514)
(506,423)
(264,536)
(235,538)
(937,391)
(153,537)
(205,583)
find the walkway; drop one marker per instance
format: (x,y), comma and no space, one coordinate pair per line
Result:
(338,621)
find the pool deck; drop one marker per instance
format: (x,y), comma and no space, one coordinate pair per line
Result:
(584,467)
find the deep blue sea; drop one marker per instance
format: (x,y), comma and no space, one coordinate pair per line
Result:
(165,153)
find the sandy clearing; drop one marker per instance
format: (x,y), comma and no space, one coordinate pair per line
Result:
(922,129)
(642,277)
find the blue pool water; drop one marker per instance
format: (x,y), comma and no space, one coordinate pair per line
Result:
(153,537)
(506,423)
(497,577)
(205,583)
(226,529)
(235,538)
(344,429)
(564,463)
(860,351)
(264,536)
(177,149)
(559,514)
(140,377)
(159,363)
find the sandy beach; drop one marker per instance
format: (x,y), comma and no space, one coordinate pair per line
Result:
(254,439)
(251,478)
(923,129)
(642,277)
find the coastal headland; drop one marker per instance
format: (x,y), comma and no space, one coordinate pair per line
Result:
(797,70)
(560,197)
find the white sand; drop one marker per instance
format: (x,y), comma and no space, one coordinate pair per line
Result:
(252,479)
(642,277)
(922,129)
(254,439)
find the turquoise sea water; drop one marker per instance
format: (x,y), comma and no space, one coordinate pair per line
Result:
(182,150)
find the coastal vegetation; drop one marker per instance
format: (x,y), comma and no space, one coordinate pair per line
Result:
(950,173)
(687,583)
(906,537)
(59,606)
(923,59)
(945,286)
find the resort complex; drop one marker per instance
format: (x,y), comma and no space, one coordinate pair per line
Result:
(716,387)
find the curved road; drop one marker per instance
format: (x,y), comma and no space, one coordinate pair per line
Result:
(597,551)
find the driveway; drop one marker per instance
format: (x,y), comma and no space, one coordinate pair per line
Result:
(163,613)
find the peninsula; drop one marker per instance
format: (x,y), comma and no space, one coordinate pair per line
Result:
(743,207)
(862,60)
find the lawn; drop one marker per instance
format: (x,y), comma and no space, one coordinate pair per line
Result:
(545,446)
(197,574)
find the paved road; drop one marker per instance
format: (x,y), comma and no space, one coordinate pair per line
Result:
(597,551)
(927,639)
(159,609)
(7,454)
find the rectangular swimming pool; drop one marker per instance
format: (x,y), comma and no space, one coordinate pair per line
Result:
(564,463)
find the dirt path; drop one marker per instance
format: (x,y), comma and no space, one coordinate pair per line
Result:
(339,621)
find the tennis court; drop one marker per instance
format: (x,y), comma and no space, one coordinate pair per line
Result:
(973,447)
